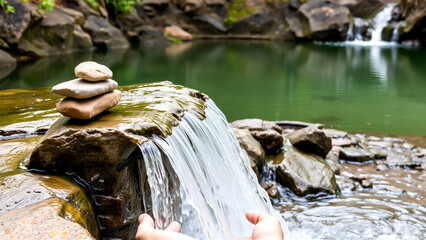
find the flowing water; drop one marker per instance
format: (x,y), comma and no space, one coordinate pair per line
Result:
(375,27)
(200,177)
(395,208)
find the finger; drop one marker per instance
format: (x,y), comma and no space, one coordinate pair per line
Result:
(173,227)
(243,238)
(146,221)
(255,217)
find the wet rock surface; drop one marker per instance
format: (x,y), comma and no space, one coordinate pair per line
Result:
(311,140)
(52,218)
(252,147)
(267,133)
(20,189)
(304,173)
(12,152)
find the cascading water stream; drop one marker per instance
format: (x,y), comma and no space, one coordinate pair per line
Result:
(378,23)
(202,178)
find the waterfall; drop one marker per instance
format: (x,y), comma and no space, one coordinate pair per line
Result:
(378,23)
(202,178)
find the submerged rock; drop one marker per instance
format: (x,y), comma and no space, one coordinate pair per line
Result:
(101,152)
(267,133)
(356,154)
(271,188)
(52,218)
(311,140)
(305,173)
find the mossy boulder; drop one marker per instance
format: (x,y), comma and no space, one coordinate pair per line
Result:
(56,32)
(325,20)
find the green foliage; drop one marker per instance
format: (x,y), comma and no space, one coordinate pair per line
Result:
(47,5)
(236,11)
(122,6)
(92,3)
(9,9)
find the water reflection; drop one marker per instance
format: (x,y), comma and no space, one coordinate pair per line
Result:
(357,88)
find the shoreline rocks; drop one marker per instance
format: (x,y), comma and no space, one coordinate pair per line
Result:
(27,34)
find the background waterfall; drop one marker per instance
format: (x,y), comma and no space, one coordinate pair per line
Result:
(201,177)
(375,27)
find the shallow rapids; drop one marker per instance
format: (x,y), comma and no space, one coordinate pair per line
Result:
(394,209)
(201,177)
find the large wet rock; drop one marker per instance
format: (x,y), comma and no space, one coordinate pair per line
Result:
(13,25)
(52,218)
(103,153)
(55,33)
(103,34)
(366,8)
(311,140)
(304,173)
(252,147)
(325,20)
(257,18)
(267,133)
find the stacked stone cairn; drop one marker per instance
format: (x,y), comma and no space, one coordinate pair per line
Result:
(92,93)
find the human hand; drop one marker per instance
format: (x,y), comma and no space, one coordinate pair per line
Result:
(266,227)
(146,230)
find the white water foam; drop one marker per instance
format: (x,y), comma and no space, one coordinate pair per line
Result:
(202,178)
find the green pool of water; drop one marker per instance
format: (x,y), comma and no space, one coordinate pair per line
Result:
(354,88)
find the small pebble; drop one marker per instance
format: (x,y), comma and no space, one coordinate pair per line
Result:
(366,183)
